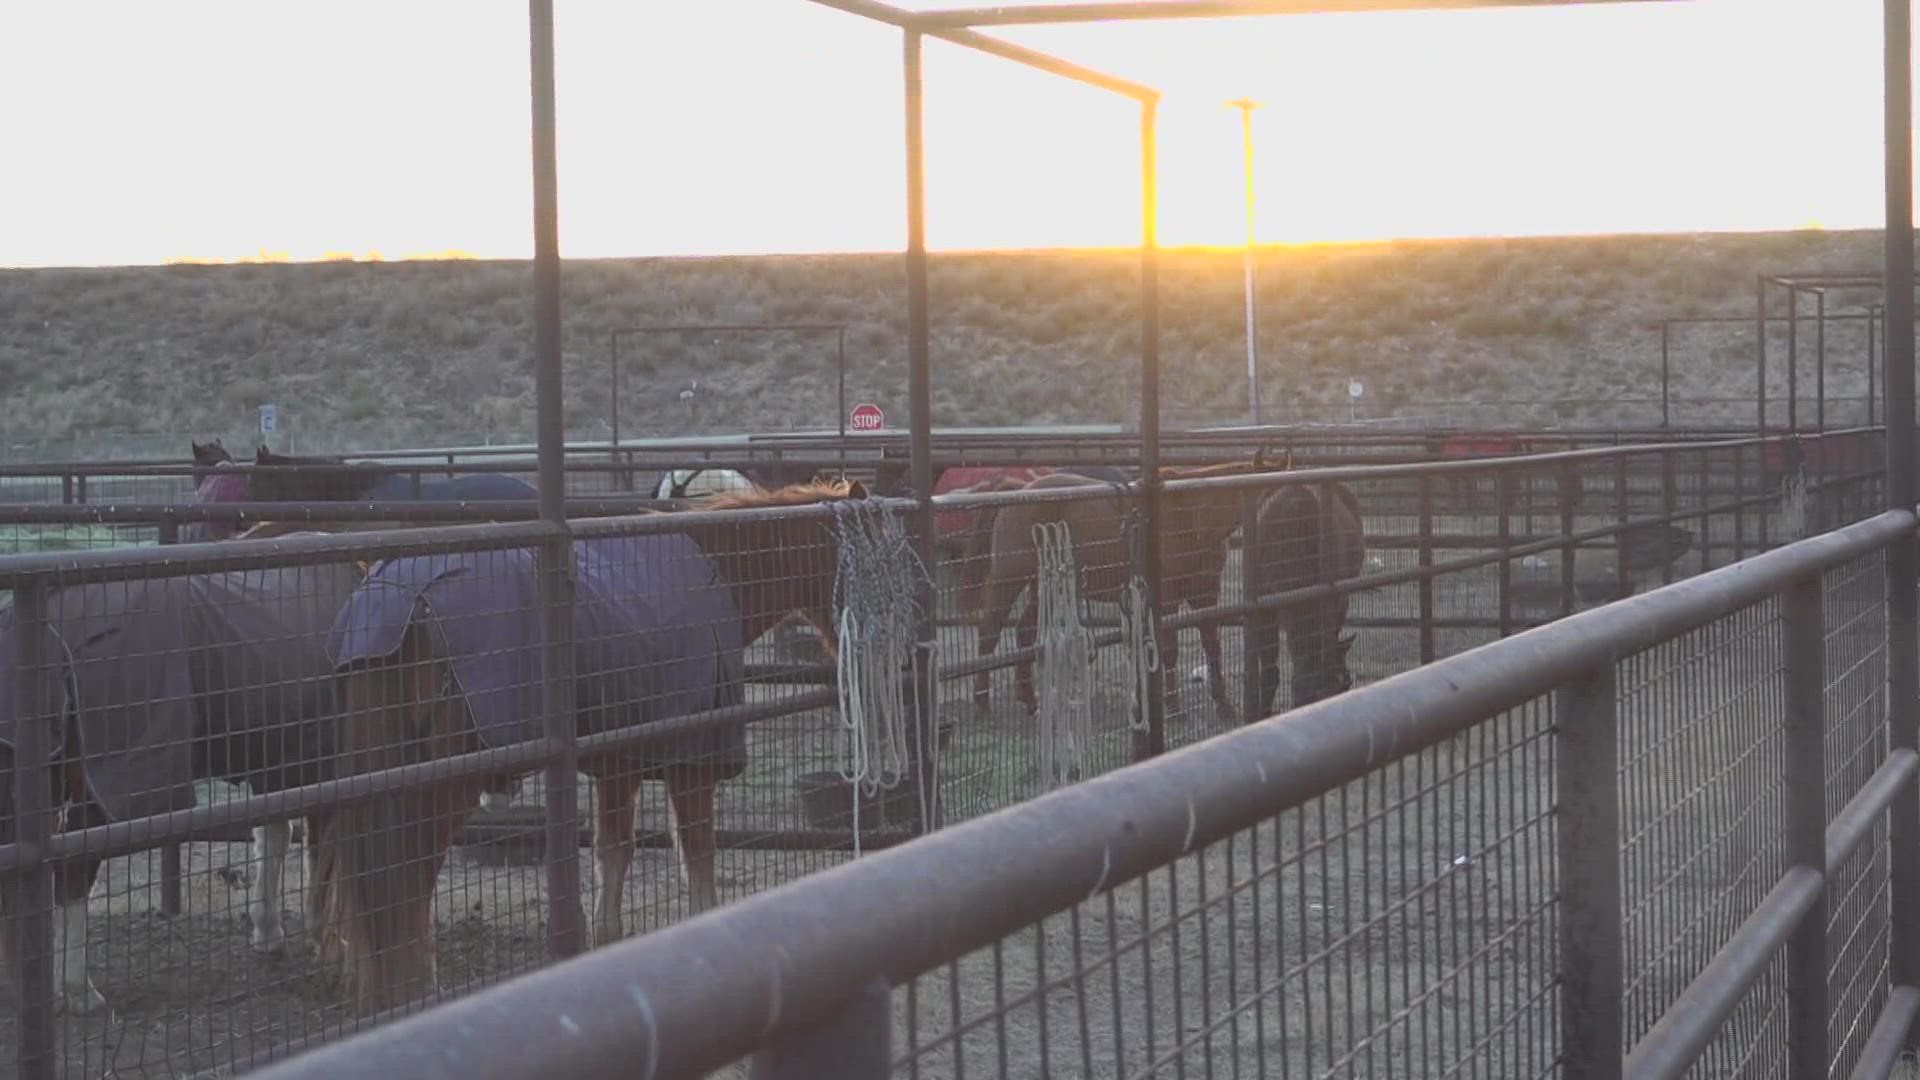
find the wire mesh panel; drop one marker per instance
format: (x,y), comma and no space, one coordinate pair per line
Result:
(1400,926)
(1701,718)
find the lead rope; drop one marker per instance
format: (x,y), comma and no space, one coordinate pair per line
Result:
(1065,664)
(878,620)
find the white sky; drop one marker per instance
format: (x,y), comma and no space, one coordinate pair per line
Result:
(139,132)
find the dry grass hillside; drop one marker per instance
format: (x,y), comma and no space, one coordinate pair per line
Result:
(367,354)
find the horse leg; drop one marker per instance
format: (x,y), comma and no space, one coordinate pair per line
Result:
(71,888)
(1025,634)
(1167,644)
(613,798)
(270,841)
(690,803)
(1216,670)
(1000,596)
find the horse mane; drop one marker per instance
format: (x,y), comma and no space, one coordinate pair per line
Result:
(802,494)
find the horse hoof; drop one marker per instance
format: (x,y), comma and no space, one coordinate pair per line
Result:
(270,942)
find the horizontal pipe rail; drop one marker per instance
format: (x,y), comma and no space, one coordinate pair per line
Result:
(813,944)
(1691,1023)
(140,834)
(1888,1040)
(1855,821)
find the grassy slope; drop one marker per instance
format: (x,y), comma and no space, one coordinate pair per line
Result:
(372,354)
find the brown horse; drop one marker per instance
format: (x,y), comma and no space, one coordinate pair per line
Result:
(384,854)
(1195,528)
(1307,534)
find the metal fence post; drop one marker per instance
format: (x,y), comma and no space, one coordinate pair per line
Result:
(1251,586)
(1568,484)
(1153,740)
(855,1045)
(1739,503)
(1804,808)
(1503,483)
(1903,568)
(1622,513)
(30,888)
(171,870)
(922,744)
(1426,564)
(1667,506)
(565,919)
(1587,833)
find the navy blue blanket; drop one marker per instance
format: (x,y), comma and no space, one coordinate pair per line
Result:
(177,679)
(655,630)
(471,487)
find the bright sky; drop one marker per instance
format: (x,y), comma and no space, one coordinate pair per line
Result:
(138,132)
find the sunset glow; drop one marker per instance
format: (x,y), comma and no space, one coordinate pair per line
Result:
(226,130)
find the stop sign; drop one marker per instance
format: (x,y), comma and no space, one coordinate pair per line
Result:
(866,416)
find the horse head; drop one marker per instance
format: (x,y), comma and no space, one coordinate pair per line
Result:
(1329,675)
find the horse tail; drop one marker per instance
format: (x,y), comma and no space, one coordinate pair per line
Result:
(382,855)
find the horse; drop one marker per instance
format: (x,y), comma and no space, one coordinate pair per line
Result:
(332,479)
(157,686)
(1303,538)
(661,625)
(1196,525)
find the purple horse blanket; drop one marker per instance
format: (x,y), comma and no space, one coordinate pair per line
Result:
(656,636)
(172,680)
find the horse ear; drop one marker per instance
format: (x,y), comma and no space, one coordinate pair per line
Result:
(1345,642)
(856,490)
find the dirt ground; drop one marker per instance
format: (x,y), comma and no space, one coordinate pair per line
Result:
(1405,924)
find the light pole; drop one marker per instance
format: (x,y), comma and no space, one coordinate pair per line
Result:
(1246,107)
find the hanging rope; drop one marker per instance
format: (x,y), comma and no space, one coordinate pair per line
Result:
(1137,630)
(874,589)
(1065,665)
(1793,505)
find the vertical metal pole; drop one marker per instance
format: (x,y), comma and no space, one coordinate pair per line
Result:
(31,886)
(613,399)
(856,1044)
(1153,740)
(920,439)
(170,867)
(1587,826)
(1252,585)
(1246,107)
(1804,640)
(1820,360)
(1667,501)
(1622,513)
(1426,564)
(564,918)
(1873,364)
(1739,503)
(1793,358)
(1760,356)
(1503,484)
(840,365)
(1903,583)
(1569,488)
(1666,373)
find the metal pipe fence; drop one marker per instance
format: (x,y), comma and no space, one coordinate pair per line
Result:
(1646,839)
(226,660)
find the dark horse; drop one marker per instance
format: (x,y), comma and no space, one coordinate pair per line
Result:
(438,655)
(326,479)
(158,684)
(1002,563)
(1308,534)
(332,479)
